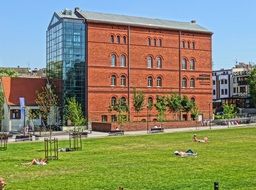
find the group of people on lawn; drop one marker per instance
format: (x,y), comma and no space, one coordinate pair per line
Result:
(190,152)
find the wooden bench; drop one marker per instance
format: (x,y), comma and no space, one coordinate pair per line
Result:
(156,130)
(116,132)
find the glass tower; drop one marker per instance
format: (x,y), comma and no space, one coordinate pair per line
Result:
(65,56)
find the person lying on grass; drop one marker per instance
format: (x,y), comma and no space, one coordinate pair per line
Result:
(35,161)
(204,140)
(189,152)
(2,183)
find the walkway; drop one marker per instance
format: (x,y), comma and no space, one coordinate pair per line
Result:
(94,134)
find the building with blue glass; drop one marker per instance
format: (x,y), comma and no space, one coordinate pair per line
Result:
(100,58)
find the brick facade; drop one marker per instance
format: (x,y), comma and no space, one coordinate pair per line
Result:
(136,50)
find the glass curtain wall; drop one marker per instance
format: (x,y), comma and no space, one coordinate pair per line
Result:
(66,58)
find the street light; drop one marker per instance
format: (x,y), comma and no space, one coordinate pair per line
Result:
(210,115)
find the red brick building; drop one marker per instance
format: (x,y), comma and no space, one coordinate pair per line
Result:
(156,56)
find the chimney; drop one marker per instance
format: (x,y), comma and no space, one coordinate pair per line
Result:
(193,21)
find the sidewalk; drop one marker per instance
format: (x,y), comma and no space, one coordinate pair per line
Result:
(94,134)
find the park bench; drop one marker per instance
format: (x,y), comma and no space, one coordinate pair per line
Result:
(116,132)
(26,138)
(156,129)
(84,134)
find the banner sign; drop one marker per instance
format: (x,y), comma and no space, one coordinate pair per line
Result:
(22,102)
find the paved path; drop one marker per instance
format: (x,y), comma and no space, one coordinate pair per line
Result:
(94,134)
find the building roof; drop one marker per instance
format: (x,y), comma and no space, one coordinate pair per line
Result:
(14,88)
(141,21)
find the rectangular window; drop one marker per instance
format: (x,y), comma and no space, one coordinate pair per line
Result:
(226,91)
(15,114)
(213,82)
(242,89)
(104,118)
(113,118)
(222,91)
(213,92)
(234,90)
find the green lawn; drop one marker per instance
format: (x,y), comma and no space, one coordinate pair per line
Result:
(139,162)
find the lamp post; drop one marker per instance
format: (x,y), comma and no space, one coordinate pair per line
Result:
(210,115)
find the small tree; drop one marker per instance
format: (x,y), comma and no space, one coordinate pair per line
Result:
(161,106)
(229,111)
(194,112)
(186,104)
(149,108)
(174,103)
(74,113)
(138,101)
(122,109)
(46,100)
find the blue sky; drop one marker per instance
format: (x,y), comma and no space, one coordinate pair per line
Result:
(24,23)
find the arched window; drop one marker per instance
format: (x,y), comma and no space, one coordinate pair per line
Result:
(192,64)
(150,101)
(192,83)
(149,62)
(123,61)
(193,99)
(160,42)
(183,44)
(118,39)
(184,64)
(124,39)
(188,45)
(123,80)
(154,42)
(112,39)
(113,60)
(159,82)
(113,80)
(150,81)
(158,62)
(193,45)
(113,101)
(184,83)
(123,101)
(149,41)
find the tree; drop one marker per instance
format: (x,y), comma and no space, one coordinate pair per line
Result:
(8,72)
(229,111)
(252,85)
(194,112)
(46,100)
(122,109)
(174,103)
(186,104)
(138,100)
(161,106)
(74,113)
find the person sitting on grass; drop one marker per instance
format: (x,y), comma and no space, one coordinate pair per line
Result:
(2,183)
(204,140)
(189,152)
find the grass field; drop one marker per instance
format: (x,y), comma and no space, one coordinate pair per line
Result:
(139,162)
